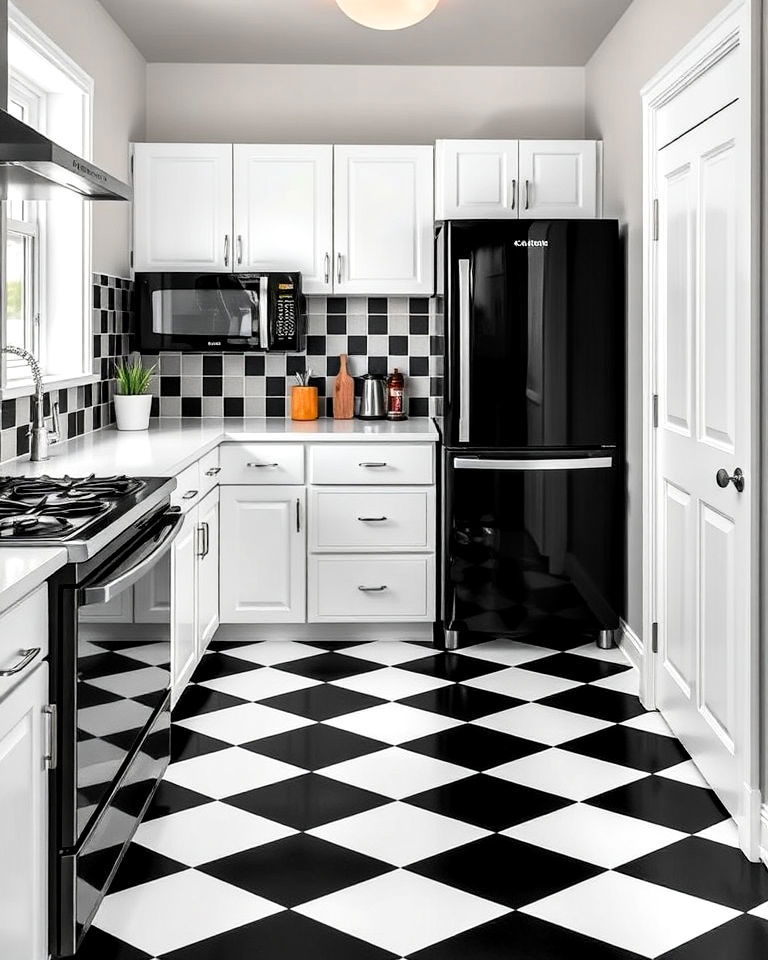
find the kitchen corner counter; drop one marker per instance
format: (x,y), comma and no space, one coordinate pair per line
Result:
(171,445)
(22,569)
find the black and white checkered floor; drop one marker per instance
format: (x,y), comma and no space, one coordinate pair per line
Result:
(380,800)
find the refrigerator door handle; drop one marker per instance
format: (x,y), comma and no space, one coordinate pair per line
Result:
(573,463)
(465,383)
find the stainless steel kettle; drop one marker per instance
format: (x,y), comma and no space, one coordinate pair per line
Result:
(373,403)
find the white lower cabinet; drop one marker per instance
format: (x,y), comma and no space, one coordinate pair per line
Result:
(208,571)
(263,557)
(371,589)
(183,591)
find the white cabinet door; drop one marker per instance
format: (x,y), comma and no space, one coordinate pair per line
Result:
(183,206)
(263,555)
(23,819)
(384,220)
(119,610)
(476,180)
(208,572)
(558,179)
(284,211)
(183,589)
(152,598)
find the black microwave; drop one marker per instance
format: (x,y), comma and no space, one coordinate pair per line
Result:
(209,312)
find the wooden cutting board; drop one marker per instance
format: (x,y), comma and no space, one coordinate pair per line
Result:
(343,393)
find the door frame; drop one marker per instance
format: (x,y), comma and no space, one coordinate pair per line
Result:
(737,27)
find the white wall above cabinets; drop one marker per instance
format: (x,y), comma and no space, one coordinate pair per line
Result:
(517,179)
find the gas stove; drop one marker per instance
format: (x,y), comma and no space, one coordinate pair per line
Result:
(83,514)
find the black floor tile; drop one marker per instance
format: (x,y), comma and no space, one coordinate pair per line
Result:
(666,802)
(315,747)
(284,936)
(186,744)
(139,865)
(307,802)
(331,645)
(171,798)
(196,701)
(505,871)
(597,702)
(488,802)
(106,664)
(519,937)
(98,945)
(745,938)
(571,666)
(461,702)
(90,696)
(296,870)
(329,666)
(474,747)
(323,702)
(213,666)
(702,868)
(638,749)
(453,667)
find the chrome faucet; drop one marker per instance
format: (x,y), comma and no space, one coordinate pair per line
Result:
(40,436)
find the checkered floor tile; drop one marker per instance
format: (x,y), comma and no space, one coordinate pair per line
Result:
(372,801)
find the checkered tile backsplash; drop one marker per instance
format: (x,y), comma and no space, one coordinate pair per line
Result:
(377,333)
(88,407)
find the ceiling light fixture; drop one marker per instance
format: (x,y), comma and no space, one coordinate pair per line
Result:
(387,14)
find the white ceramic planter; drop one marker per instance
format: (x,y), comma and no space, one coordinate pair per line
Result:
(132,412)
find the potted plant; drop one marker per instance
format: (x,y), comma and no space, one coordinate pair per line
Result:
(133,403)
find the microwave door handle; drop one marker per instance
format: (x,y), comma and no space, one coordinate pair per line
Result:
(570,463)
(465,376)
(105,592)
(264,312)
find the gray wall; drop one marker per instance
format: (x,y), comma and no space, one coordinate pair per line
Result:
(360,104)
(84,30)
(649,34)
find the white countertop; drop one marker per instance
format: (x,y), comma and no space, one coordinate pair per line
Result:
(170,445)
(24,568)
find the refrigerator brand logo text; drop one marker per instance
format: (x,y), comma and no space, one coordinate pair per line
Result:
(531,243)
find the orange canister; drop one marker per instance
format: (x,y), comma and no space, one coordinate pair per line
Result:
(303,403)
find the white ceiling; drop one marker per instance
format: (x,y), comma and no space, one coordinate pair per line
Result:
(461,32)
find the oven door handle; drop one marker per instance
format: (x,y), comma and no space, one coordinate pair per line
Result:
(105,592)
(571,463)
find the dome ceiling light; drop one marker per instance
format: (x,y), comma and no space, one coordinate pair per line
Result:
(387,14)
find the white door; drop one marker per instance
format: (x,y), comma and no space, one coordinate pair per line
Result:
(704,380)
(384,220)
(476,180)
(184,553)
(23,819)
(284,211)
(263,555)
(558,179)
(208,572)
(182,206)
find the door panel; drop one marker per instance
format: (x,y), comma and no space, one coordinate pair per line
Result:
(558,179)
(476,179)
(208,572)
(681,302)
(680,608)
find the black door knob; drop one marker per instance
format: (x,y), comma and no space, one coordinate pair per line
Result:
(738,480)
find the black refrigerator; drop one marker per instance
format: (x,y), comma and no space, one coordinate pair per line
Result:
(533,484)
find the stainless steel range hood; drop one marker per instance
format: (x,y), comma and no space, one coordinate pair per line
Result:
(36,168)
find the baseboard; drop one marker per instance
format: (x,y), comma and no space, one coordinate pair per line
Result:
(764,834)
(324,631)
(630,645)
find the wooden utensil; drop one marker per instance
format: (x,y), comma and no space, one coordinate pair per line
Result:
(343,393)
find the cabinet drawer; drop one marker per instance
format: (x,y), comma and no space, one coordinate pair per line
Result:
(23,628)
(351,520)
(371,589)
(210,471)
(188,492)
(372,464)
(265,464)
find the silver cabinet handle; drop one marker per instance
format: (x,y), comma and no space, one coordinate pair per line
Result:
(465,376)
(373,465)
(213,472)
(239,248)
(298,515)
(372,589)
(527,194)
(514,194)
(373,519)
(527,466)
(226,250)
(262,466)
(327,268)
(207,541)
(201,540)
(27,656)
(190,495)
(339,267)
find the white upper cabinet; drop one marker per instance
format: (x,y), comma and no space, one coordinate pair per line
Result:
(476,180)
(558,179)
(384,220)
(183,207)
(284,211)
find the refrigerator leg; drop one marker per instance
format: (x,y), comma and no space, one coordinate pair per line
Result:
(451,640)
(606,640)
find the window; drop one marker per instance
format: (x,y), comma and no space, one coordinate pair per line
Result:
(47,269)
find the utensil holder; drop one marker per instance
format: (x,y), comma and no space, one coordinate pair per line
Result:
(304,403)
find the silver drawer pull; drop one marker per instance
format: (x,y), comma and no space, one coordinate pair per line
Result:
(190,495)
(372,589)
(262,465)
(373,464)
(213,472)
(27,656)
(372,519)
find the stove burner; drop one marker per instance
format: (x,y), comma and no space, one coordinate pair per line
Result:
(34,526)
(111,488)
(77,508)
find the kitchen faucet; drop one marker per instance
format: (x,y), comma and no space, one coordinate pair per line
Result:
(40,436)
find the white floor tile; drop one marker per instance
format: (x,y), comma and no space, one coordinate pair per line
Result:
(725,832)
(108,718)
(533,721)
(176,911)
(761,912)
(594,652)
(133,683)
(523,684)
(389,683)
(626,682)
(631,914)
(228,772)
(270,652)
(152,653)
(686,772)
(390,653)
(601,837)
(566,774)
(260,684)
(399,834)
(250,721)
(651,722)
(396,773)
(402,912)
(206,833)
(393,723)
(509,652)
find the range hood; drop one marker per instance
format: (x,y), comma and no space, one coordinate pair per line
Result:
(34,167)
